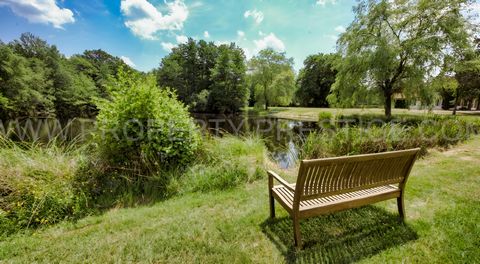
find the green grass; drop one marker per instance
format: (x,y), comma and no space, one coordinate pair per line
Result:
(44,184)
(311,114)
(442,206)
(35,184)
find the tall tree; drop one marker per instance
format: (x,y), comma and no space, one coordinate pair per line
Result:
(392,46)
(205,76)
(229,92)
(315,80)
(100,66)
(24,86)
(265,68)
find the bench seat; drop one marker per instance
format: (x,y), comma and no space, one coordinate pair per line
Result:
(349,200)
(332,184)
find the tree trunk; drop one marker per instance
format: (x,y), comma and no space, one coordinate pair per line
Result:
(265,96)
(388,104)
(455,105)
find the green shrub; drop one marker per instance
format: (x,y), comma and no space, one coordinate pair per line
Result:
(144,128)
(142,133)
(325,120)
(36,185)
(322,116)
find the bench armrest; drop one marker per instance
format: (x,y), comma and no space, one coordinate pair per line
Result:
(272,175)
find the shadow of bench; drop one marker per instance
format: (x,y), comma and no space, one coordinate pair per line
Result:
(342,237)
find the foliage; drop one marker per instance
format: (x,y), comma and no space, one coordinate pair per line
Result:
(198,69)
(365,135)
(467,74)
(273,78)
(24,85)
(392,46)
(315,80)
(36,80)
(446,86)
(36,185)
(141,132)
(144,126)
(228,91)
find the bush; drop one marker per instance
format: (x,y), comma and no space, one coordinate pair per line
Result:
(36,185)
(141,133)
(145,128)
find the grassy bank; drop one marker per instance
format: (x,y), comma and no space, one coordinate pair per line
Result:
(41,185)
(442,206)
(311,114)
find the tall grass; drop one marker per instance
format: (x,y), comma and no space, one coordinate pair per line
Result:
(36,184)
(42,184)
(370,136)
(224,163)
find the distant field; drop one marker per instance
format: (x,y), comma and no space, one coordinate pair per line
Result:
(311,114)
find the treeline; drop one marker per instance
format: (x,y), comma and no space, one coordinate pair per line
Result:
(36,80)
(211,78)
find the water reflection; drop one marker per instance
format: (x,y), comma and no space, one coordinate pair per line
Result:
(281,136)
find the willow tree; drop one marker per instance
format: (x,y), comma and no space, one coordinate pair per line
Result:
(394,46)
(273,77)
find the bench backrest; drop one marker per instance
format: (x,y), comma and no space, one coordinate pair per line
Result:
(324,177)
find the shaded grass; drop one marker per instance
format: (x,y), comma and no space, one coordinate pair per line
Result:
(340,237)
(442,210)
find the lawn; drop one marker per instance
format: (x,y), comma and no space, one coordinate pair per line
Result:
(311,114)
(442,226)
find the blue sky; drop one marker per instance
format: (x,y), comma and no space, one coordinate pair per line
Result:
(143,31)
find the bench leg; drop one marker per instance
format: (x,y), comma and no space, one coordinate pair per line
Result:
(401,207)
(296,233)
(272,204)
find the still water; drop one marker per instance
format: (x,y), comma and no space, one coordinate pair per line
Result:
(281,136)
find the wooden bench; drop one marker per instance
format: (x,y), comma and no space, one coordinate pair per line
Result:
(332,184)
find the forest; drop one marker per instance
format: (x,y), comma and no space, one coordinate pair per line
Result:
(36,80)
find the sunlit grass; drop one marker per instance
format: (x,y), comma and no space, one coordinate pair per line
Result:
(311,114)
(442,207)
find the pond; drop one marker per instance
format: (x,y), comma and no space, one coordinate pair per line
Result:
(281,136)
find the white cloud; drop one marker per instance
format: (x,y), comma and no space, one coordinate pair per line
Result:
(255,14)
(40,11)
(206,34)
(332,37)
(222,42)
(168,46)
(269,41)
(324,2)
(340,29)
(144,19)
(240,34)
(181,39)
(127,61)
